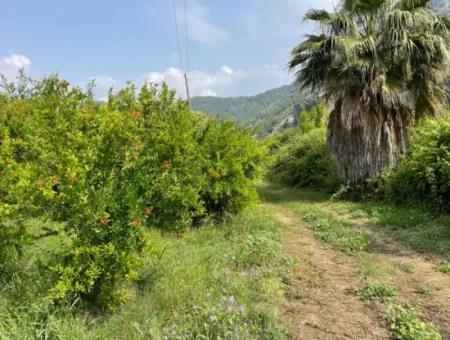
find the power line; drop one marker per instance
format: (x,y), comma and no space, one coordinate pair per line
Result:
(186,82)
(177,34)
(186,41)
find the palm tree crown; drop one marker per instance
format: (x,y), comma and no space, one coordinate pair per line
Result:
(397,49)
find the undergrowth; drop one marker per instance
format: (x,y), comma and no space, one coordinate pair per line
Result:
(221,281)
(406,324)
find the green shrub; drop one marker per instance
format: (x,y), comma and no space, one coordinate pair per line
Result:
(107,171)
(407,325)
(305,162)
(259,250)
(424,173)
(378,292)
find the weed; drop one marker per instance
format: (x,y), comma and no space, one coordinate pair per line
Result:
(378,292)
(405,324)
(406,267)
(425,291)
(444,267)
(335,233)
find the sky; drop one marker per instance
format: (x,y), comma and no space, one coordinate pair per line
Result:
(228,47)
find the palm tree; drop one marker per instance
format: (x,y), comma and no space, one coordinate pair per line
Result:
(381,64)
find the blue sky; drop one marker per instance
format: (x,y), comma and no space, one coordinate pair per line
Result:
(234,47)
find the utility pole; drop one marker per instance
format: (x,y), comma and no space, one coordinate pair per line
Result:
(188,96)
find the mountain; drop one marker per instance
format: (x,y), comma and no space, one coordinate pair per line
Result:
(269,111)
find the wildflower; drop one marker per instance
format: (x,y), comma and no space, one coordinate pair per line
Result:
(166,162)
(213,318)
(103,219)
(136,114)
(232,300)
(134,222)
(241,309)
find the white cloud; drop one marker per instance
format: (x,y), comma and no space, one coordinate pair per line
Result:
(200,83)
(10,65)
(200,27)
(223,82)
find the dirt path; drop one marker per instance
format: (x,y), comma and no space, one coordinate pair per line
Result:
(322,304)
(411,285)
(322,300)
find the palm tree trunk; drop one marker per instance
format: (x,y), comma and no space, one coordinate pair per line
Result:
(366,137)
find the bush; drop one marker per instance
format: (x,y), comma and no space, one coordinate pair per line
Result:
(407,325)
(378,292)
(106,171)
(305,161)
(424,173)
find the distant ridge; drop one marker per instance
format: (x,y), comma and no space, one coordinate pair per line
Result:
(269,111)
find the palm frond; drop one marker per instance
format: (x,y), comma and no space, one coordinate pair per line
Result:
(399,47)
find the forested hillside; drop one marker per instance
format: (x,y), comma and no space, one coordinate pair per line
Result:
(271,110)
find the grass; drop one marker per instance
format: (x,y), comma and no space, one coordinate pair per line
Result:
(406,267)
(332,232)
(337,234)
(369,266)
(218,281)
(420,229)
